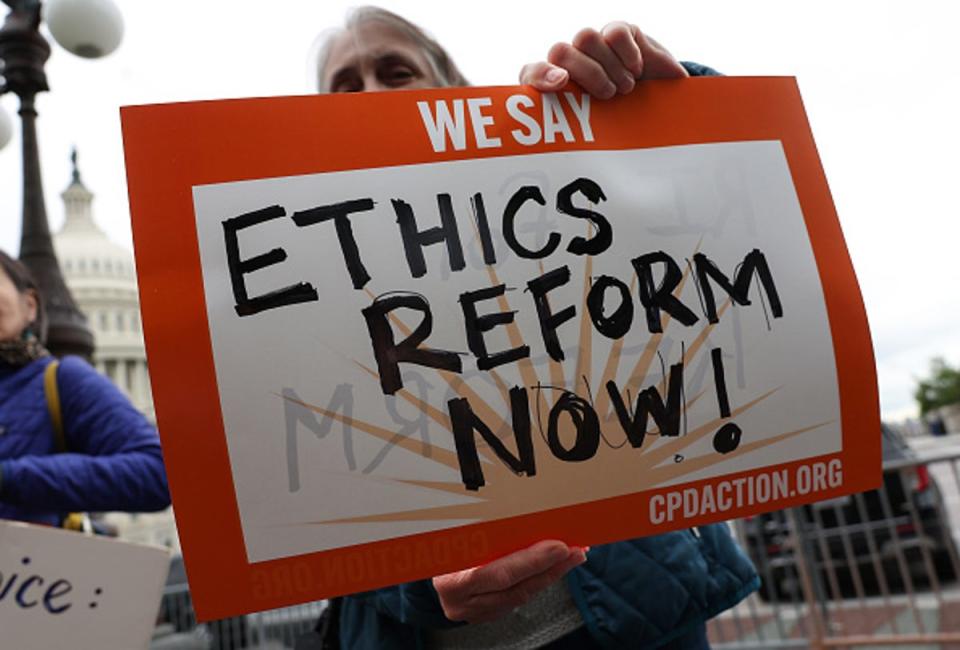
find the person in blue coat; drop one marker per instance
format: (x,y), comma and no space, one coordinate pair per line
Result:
(653,592)
(112,458)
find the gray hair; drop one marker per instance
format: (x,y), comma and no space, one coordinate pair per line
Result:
(444,70)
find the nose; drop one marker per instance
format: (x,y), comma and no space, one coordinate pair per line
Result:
(371,83)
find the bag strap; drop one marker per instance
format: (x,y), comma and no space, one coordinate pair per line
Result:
(53,405)
(79,521)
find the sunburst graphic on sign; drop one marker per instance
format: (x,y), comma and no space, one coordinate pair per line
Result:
(619,463)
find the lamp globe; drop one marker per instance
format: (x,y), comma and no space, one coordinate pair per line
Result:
(87,28)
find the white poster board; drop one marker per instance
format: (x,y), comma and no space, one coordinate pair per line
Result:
(62,589)
(736,197)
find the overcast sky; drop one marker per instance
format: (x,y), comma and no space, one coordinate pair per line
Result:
(880,82)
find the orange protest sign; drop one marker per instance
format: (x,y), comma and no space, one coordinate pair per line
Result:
(394,335)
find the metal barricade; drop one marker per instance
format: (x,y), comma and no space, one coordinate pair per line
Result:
(873,569)
(277,629)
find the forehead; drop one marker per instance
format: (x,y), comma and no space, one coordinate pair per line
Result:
(5,279)
(368,41)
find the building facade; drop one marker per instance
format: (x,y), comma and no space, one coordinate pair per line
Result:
(102,278)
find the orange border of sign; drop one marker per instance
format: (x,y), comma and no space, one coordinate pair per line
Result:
(171,148)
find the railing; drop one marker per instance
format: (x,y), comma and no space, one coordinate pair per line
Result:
(275,629)
(877,569)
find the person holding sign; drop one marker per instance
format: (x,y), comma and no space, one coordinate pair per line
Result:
(102,455)
(651,592)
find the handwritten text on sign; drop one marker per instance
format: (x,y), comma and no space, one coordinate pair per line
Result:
(509,312)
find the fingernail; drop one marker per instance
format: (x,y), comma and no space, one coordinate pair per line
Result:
(628,82)
(609,90)
(555,75)
(559,553)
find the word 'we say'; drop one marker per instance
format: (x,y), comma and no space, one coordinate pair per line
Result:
(537,118)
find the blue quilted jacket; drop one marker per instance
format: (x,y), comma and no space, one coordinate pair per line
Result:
(641,593)
(113,460)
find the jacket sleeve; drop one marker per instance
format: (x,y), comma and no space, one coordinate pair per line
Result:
(410,603)
(113,460)
(699,70)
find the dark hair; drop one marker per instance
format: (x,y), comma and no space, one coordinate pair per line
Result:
(444,69)
(23,281)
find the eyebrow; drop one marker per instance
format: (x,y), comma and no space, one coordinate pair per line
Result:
(385,53)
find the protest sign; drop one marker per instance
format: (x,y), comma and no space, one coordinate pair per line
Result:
(394,335)
(61,589)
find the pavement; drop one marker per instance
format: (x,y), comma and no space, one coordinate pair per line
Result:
(925,445)
(758,625)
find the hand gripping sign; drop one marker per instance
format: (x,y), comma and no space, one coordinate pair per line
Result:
(394,335)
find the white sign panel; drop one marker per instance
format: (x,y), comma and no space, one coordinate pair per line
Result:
(62,589)
(666,205)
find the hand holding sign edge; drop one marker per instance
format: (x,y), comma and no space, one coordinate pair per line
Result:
(604,63)
(485,593)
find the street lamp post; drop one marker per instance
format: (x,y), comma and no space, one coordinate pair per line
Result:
(23,52)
